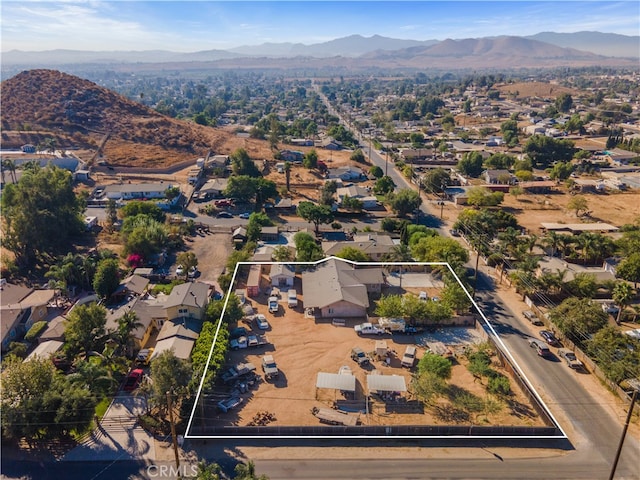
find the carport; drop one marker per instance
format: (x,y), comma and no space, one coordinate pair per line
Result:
(386,385)
(336,381)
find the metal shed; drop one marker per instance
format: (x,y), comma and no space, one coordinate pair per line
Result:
(386,383)
(336,381)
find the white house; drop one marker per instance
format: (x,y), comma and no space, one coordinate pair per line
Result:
(282,275)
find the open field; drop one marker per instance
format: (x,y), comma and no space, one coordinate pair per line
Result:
(303,346)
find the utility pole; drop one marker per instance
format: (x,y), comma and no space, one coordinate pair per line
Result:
(475,276)
(173,430)
(635,384)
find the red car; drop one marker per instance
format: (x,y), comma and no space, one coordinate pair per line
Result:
(133,380)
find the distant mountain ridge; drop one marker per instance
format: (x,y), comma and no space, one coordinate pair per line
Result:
(541,50)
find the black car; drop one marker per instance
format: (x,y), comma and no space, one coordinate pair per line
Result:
(550,338)
(225,215)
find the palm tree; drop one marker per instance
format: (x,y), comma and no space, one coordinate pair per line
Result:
(126,325)
(622,295)
(551,240)
(10,165)
(564,241)
(287,172)
(247,471)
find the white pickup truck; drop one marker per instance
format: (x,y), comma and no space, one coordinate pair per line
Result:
(368,329)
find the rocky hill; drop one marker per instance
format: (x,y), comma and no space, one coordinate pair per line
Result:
(79,113)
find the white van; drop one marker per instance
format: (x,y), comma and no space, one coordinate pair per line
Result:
(409,357)
(292,298)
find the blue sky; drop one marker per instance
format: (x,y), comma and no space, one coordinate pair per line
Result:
(203,25)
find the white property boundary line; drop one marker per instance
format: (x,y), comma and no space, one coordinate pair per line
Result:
(496,338)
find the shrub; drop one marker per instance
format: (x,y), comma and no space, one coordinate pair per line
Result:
(35,331)
(499,385)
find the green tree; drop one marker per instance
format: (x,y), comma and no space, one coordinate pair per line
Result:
(471,164)
(112,214)
(85,329)
(563,102)
(428,387)
(404,201)
(351,203)
(188,260)
(241,187)
(622,294)
(170,374)
(578,317)
(107,278)
(357,156)
(384,185)
(247,471)
(610,350)
(439,249)
(127,324)
(543,150)
(41,214)
(455,297)
(583,285)
(578,203)
(310,159)
(561,171)
(354,254)
(282,253)
(435,180)
(327,194)
(241,164)
(435,364)
(139,207)
(483,197)
(516,191)
(629,269)
(316,214)
(389,306)
(143,235)
(376,171)
(500,161)
(307,250)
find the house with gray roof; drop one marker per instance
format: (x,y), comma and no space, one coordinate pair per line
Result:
(282,275)
(339,288)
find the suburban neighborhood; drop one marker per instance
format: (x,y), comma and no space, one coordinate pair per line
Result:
(369,258)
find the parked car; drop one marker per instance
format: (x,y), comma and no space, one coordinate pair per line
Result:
(409,357)
(261,322)
(144,356)
(179,270)
(368,329)
(133,380)
(532,317)
(550,338)
(358,356)
(454,232)
(193,271)
(570,358)
(245,215)
(269,366)
(541,348)
(225,215)
(274,306)
(229,404)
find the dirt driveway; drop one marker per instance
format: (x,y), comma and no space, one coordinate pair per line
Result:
(212,251)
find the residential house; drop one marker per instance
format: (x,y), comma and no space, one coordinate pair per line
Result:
(187,300)
(347,173)
(136,191)
(214,187)
(284,205)
(218,161)
(302,142)
(269,234)
(179,336)
(329,143)
(291,155)
(354,191)
(375,246)
(45,350)
(538,186)
(339,289)
(132,285)
(495,177)
(282,275)
(54,330)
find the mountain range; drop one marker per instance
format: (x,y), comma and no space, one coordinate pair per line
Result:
(545,49)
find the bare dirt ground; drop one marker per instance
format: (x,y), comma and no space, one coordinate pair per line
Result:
(614,208)
(212,251)
(302,347)
(536,89)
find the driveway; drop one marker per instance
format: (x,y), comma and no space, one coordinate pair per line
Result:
(118,437)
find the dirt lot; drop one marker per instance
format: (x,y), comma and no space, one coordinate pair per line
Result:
(302,347)
(614,208)
(212,251)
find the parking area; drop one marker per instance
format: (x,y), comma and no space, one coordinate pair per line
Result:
(302,347)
